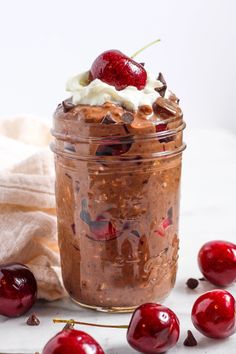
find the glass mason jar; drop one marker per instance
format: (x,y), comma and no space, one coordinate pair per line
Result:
(117,193)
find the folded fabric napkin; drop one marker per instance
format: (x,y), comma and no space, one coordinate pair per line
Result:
(28,232)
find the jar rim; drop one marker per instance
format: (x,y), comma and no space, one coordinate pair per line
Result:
(126,137)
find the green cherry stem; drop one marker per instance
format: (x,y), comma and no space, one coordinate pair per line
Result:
(145,47)
(58,320)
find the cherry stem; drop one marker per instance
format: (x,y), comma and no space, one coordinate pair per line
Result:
(146,46)
(58,320)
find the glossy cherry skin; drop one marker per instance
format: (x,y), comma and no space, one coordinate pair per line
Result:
(213,314)
(116,69)
(217,262)
(18,289)
(72,341)
(153,329)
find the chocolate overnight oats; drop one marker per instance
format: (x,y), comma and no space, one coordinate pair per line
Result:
(118,165)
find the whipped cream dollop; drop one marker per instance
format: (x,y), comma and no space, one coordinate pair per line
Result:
(98,92)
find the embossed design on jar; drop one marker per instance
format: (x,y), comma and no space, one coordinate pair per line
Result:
(160,267)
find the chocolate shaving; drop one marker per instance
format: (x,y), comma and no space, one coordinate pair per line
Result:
(143,64)
(69,325)
(202,279)
(190,340)
(161,90)
(33,320)
(108,119)
(192,283)
(127,118)
(164,107)
(67,105)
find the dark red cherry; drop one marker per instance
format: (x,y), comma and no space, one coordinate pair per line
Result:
(113,149)
(153,329)
(217,262)
(213,314)
(102,229)
(161,127)
(18,289)
(72,341)
(116,69)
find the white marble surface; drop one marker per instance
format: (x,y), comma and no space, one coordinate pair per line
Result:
(208,212)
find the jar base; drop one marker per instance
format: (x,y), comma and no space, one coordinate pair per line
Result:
(106,309)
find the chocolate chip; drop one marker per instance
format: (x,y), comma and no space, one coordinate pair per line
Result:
(127,117)
(67,105)
(108,119)
(126,225)
(145,109)
(33,320)
(161,78)
(143,64)
(164,107)
(69,325)
(73,228)
(161,90)
(192,283)
(135,233)
(190,340)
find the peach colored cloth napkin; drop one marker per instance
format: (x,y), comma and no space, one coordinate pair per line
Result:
(28,232)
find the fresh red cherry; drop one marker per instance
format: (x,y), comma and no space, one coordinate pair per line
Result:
(217,262)
(213,314)
(153,329)
(116,69)
(18,289)
(72,341)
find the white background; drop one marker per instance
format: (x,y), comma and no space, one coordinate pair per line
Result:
(42,43)
(45,42)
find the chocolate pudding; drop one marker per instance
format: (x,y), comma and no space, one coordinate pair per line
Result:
(118,174)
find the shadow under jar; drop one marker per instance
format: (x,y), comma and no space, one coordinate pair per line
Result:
(117,193)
